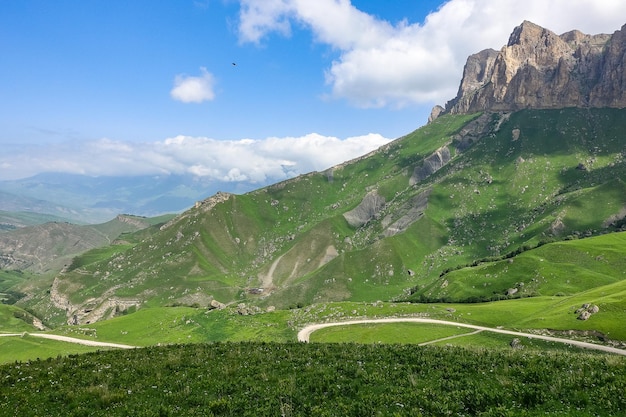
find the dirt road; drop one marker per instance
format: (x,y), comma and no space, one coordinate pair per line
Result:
(71,340)
(304,334)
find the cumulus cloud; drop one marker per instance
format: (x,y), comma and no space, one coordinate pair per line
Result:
(189,89)
(257,162)
(382,63)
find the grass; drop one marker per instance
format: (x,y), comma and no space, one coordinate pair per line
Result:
(488,340)
(167,325)
(164,325)
(556,269)
(437,335)
(27,348)
(386,333)
(250,379)
(9,281)
(12,319)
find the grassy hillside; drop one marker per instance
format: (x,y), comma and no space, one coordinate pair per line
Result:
(563,268)
(30,257)
(28,348)
(389,225)
(15,320)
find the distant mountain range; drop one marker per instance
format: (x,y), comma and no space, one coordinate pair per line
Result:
(90,200)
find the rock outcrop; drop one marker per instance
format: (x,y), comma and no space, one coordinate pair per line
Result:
(541,70)
(369,207)
(431,165)
(410,212)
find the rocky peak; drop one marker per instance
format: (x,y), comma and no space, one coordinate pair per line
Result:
(530,33)
(532,45)
(540,69)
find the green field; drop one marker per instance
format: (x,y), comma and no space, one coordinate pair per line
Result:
(27,348)
(387,333)
(251,379)
(164,325)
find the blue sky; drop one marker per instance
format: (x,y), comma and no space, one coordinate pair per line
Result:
(112,87)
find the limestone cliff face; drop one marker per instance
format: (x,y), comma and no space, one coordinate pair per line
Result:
(539,69)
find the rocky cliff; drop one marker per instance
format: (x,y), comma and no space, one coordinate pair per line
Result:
(541,70)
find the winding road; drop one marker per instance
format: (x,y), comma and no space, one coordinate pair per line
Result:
(305,333)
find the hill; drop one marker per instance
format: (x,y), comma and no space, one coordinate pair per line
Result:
(20,211)
(31,256)
(11,220)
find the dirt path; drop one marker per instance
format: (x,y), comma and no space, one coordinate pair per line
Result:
(70,340)
(304,334)
(267,280)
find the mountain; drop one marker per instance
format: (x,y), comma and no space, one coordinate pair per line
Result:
(40,248)
(541,70)
(475,185)
(384,227)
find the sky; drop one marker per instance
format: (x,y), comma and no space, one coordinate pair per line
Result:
(250,91)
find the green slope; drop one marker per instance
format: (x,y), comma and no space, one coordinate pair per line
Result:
(511,182)
(557,269)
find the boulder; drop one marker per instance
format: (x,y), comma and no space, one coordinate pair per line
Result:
(586,310)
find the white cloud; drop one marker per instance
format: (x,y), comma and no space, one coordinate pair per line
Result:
(190,89)
(385,64)
(260,17)
(258,162)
